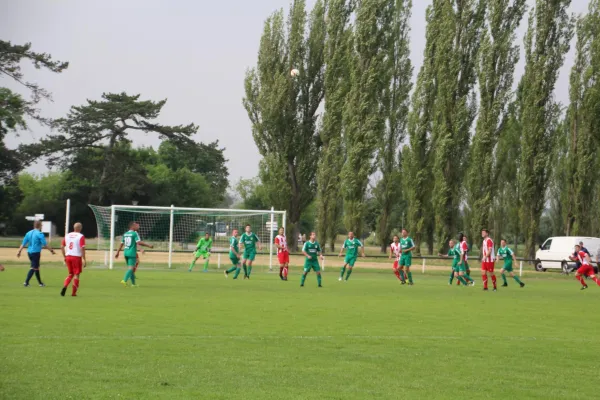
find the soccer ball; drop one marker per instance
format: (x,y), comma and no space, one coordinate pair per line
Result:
(294,72)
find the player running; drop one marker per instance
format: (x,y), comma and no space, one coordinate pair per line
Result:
(586,268)
(407,245)
(202,250)
(283,255)
(487,260)
(131,240)
(395,254)
(234,255)
(312,251)
(249,241)
(454,252)
(506,253)
(351,245)
(73,251)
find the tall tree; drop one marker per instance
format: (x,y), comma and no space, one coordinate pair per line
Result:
(336,86)
(457,45)
(105,125)
(495,66)
(12,118)
(396,97)
(283,109)
(364,120)
(546,43)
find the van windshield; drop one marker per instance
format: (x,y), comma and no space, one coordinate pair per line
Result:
(547,244)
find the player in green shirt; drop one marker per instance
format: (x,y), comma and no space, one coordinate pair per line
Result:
(454,252)
(202,250)
(312,251)
(130,241)
(351,245)
(509,256)
(234,254)
(249,241)
(407,245)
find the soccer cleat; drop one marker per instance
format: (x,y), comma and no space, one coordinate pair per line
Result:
(340,279)
(73,295)
(472,283)
(522,284)
(504,284)
(403,282)
(124,283)
(485,289)
(320,286)
(26,285)
(226,274)
(63,291)
(302,285)
(495,289)
(136,285)
(583,287)
(42,285)
(410,283)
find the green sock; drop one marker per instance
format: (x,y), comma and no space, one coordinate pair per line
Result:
(230,270)
(504,279)
(319,279)
(249,270)
(451,277)
(127,274)
(467,277)
(342,272)
(410,276)
(402,278)
(206,265)
(245,270)
(237,272)
(132,277)
(302,279)
(462,280)
(516,278)
(192,264)
(349,273)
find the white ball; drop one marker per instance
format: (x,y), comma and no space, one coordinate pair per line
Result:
(294,72)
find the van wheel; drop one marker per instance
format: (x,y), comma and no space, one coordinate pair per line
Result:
(565,268)
(538,266)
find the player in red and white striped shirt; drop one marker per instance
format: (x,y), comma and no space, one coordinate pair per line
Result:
(586,268)
(73,250)
(488,259)
(395,252)
(283,255)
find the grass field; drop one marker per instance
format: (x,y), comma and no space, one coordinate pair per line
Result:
(200,336)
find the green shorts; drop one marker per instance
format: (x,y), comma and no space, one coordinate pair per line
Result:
(508,267)
(130,261)
(350,261)
(234,259)
(462,267)
(406,260)
(311,264)
(249,255)
(203,254)
(455,266)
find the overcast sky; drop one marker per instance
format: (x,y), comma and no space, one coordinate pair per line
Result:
(194,53)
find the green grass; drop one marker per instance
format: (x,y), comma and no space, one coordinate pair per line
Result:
(199,336)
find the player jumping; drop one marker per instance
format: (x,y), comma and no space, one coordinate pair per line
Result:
(506,253)
(282,254)
(202,250)
(351,245)
(312,251)
(73,251)
(234,255)
(249,241)
(395,254)
(130,241)
(407,245)
(487,260)
(586,268)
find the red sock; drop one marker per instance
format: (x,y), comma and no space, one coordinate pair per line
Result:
(285,272)
(280,271)
(457,282)
(596,280)
(75,286)
(397,273)
(494,280)
(580,279)
(485,280)
(68,280)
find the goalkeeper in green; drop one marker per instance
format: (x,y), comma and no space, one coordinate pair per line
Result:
(202,250)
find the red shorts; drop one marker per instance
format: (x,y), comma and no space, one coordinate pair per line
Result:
(487,266)
(586,270)
(284,257)
(74,264)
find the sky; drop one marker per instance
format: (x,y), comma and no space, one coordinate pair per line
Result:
(192,52)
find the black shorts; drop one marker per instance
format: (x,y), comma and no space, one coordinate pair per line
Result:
(34,258)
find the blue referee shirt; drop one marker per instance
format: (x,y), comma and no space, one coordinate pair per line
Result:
(36,241)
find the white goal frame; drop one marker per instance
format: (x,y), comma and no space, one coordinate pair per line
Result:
(272,212)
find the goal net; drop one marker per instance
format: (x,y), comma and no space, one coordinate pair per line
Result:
(175,231)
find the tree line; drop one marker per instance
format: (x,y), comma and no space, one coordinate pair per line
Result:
(90,151)
(466,147)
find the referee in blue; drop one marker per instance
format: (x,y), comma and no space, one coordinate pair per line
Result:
(35,242)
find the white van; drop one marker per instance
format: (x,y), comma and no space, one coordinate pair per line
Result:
(555,252)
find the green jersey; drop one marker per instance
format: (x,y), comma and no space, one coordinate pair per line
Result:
(351,247)
(204,245)
(312,249)
(455,253)
(249,241)
(406,244)
(130,240)
(507,254)
(234,246)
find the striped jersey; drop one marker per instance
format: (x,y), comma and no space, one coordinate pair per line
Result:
(488,247)
(396,250)
(282,241)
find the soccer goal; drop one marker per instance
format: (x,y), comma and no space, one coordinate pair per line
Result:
(175,231)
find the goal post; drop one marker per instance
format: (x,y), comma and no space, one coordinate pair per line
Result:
(174,231)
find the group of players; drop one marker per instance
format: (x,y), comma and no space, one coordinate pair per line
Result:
(242,253)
